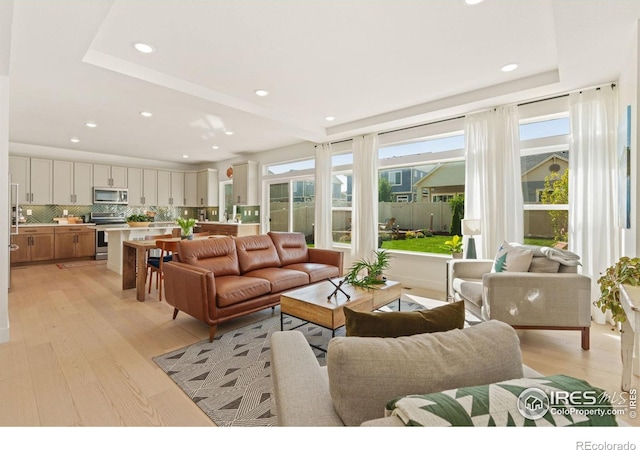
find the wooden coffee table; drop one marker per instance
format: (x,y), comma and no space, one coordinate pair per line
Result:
(311,305)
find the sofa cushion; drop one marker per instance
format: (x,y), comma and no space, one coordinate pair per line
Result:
(512,259)
(281,279)
(291,247)
(365,373)
(469,289)
(218,255)
(404,323)
(316,271)
(232,289)
(256,252)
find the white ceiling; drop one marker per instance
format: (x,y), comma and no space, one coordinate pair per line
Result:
(374,65)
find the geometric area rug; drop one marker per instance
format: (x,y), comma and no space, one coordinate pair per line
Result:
(230,378)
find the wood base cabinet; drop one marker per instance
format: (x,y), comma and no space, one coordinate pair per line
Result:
(74,242)
(35,244)
(230,229)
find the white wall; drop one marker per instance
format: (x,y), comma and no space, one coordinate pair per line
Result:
(628,94)
(6,20)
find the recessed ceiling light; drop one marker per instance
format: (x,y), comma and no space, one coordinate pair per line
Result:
(215,147)
(185,156)
(473,2)
(228,133)
(74,140)
(146,114)
(509,67)
(261,93)
(143,48)
(329,118)
(91,124)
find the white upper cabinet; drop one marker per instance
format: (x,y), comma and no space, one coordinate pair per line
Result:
(143,186)
(34,177)
(110,176)
(177,189)
(190,189)
(207,187)
(245,183)
(72,183)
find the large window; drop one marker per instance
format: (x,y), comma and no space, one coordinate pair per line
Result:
(416,180)
(544,165)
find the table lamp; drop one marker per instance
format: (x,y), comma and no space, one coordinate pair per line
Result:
(471,227)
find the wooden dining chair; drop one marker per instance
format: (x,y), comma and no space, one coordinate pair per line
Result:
(152,258)
(168,248)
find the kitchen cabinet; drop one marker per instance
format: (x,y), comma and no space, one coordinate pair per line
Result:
(143,186)
(35,244)
(190,189)
(109,176)
(207,187)
(170,188)
(72,183)
(34,177)
(245,183)
(74,242)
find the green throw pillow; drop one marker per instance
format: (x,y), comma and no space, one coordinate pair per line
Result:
(404,323)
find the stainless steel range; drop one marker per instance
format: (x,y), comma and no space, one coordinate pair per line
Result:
(105,219)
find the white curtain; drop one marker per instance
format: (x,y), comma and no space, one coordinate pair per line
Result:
(323,224)
(592,184)
(493,191)
(364,205)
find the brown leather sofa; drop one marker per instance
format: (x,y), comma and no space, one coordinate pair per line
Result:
(219,279)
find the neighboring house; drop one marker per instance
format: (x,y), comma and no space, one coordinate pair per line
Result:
(402,181)
(442,183)
(536,168)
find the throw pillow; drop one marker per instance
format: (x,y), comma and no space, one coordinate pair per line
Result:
(512,258)
(542,264)
(404,323)
(365,373)
(500,404)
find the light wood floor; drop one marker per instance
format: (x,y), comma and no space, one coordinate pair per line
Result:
(81,348)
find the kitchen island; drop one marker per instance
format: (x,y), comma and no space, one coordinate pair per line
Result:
(229,228)
(117,234)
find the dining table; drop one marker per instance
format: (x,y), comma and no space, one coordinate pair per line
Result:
(134,263)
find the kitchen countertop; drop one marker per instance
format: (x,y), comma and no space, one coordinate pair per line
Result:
(31,225)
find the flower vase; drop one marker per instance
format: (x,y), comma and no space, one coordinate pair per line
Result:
(187,234)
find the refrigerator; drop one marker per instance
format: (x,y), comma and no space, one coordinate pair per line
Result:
(15,212)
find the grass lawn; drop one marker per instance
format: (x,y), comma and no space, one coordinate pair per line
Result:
(435,244)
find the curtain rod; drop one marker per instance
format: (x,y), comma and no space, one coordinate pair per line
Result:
(463,116)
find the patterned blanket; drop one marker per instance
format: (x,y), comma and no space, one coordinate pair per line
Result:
(557,400)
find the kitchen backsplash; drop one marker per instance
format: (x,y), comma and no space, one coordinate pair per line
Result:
(46,213)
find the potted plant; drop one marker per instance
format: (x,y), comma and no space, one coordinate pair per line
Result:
(138,220)
(454,245)
(625,271)
(373,268)
(187,227)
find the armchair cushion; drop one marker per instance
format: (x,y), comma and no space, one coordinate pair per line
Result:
(404,323)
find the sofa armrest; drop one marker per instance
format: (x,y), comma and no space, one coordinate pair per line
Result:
(467,269)
(537,299)
(190,289)
(329,257)
(300,384)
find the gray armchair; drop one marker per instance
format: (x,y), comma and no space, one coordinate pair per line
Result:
(559,300)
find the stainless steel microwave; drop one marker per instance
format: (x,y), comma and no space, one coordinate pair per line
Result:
(110,196)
